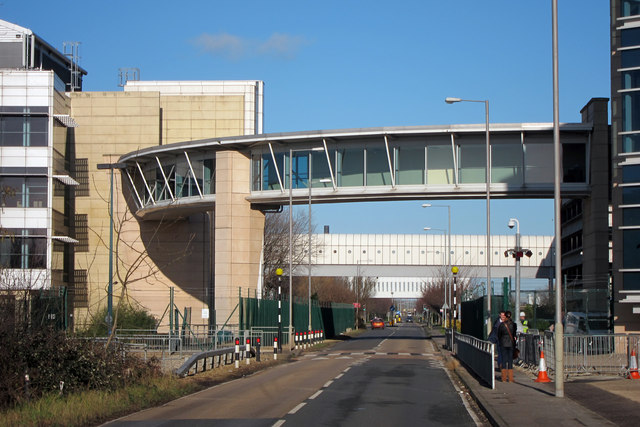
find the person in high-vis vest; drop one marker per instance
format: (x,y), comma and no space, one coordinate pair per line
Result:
(524,322)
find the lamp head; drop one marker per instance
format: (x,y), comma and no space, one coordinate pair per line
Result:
(512,223)
(450,100)
(426,205)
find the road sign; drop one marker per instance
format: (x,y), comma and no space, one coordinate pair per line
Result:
(445,306)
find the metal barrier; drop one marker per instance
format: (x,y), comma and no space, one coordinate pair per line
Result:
(583,354)
(223,355)
(478,355)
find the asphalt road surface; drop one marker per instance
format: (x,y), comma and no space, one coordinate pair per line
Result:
(390,377)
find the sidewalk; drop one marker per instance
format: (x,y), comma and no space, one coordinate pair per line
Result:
(589,401)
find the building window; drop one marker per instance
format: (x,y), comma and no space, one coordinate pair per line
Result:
(630,58)
(24,131)
(631,249)
(23,249)
(630,37)
(631,79)
(630,7)
(24,192)
(631,195)
(631,216)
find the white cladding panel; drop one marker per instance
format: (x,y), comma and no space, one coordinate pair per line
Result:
(429,249)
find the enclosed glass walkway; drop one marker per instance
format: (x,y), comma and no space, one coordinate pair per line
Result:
(366,164)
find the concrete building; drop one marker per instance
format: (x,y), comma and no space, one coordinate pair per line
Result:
(625,116)
(195,174)
(36,152)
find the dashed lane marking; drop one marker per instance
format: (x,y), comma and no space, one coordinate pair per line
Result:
(297,408)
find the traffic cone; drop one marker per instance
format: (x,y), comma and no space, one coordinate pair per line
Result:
(542,370)
(633,366)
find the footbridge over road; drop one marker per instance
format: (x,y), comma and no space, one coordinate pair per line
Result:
(391,163)
(219,188)
(404,264)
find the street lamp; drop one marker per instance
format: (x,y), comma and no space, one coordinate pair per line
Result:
(517,252)
(488,191)
(445,307)
(310,184)
(291,151)
(111,167)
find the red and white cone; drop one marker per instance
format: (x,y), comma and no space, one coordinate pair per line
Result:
(542,370)
(633,366)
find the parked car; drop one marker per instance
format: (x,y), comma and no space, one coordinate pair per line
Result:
(377,323)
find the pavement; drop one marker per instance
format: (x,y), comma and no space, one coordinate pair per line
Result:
(589,400)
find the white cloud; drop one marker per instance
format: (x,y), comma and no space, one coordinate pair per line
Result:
(278,45)
(223,44)
(282,45)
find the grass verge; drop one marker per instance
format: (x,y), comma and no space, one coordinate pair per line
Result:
(93,407)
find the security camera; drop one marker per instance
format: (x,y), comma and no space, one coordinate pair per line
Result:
(512,223)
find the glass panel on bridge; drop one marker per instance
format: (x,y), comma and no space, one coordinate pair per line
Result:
(440,164)
(320,168)
(472,162)
(538,161)
(350,167)
(409,164)
(269,174)
(377,166)
(507,159)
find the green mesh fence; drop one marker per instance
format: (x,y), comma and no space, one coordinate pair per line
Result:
(590,306)
(333,318)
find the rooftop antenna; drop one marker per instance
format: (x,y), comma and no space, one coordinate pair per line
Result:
(72,51)
(126,74)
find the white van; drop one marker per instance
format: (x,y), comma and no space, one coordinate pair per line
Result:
(576,322)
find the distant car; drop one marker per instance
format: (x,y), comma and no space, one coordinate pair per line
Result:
(377,323)
(409,319)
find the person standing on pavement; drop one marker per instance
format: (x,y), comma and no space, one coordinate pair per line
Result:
(493,337)
(506,338)
(524,322)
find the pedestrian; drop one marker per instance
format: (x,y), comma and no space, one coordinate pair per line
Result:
(524,322)
(493,337)
(506,338)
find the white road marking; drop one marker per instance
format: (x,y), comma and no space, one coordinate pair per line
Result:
(327,384)
(338,376)
(346,369)
(278,423)
(464,401)
(297,408)
(316,394)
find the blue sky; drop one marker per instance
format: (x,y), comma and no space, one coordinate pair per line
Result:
(355,63)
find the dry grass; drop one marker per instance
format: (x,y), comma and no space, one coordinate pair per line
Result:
(94,407)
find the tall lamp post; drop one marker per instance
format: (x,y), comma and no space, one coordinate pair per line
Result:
(429,205)
(291,151)
(310,184)
(517,252)
(557,201)
(488,191)
(111,167)
(446,305)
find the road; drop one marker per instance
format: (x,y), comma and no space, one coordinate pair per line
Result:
(388,377)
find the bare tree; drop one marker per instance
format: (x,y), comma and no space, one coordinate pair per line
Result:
(276,247)
(132,259)
(434,291)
